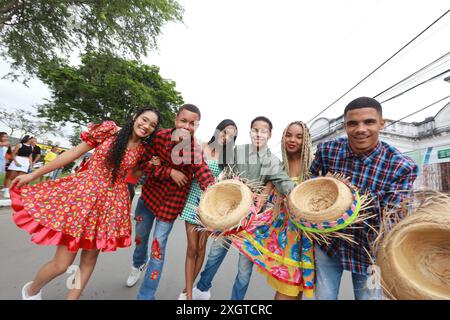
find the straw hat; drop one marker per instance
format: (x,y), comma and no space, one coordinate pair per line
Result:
(225,204)
(323,204)
(414,257)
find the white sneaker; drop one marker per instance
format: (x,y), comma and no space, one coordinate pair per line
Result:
(182,296)
(6,193)
(25,295)
(135,275)
(200,295)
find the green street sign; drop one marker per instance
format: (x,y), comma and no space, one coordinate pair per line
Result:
(444,154)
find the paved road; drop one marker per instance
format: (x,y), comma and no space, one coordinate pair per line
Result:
(20,259)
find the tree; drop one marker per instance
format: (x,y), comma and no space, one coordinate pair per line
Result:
(26,122)
(35,31)
(105,86)
(75,139)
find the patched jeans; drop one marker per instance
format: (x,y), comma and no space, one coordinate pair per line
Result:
(144,223)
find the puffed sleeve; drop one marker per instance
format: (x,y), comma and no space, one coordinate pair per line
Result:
(97,133)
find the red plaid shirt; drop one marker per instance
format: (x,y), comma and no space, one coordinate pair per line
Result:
(159,192)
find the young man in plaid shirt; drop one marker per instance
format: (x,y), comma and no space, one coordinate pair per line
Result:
(373,166)
(164,194)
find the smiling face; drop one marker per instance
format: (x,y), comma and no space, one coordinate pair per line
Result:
(145,124)
(186,123)
(260,134)
(363,128)
(293,140)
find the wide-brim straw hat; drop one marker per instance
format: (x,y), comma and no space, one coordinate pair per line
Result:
(323,205)
(414,257)
(224,205)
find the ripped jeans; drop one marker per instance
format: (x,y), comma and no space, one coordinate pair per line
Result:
(144,223)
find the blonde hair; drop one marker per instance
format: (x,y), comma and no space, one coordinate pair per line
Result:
(306,156)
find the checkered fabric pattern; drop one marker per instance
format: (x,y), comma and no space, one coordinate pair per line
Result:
(159,192)
(384,172)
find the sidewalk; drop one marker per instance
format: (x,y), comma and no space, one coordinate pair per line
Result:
(4,202)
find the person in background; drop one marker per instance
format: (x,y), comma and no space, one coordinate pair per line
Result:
(21,159)
(4,144)
(58,171)
(49,157)
(36,155)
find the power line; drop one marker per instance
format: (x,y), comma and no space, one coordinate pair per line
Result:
(419,42)
(411,114)
(417,85)
(381,65)
(444,64)
(412,75)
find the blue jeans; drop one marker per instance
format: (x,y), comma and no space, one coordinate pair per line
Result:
(329,274)
(144,222)
(2,163)
(56,173)
(217,253)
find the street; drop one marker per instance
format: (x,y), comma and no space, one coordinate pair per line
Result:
(21,259)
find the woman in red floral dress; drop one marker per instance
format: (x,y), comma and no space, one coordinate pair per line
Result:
(88,210)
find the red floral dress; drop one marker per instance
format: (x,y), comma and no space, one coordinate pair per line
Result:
(83,210)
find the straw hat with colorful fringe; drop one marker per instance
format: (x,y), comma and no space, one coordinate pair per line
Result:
(324,205)
(414,255)
(225,206)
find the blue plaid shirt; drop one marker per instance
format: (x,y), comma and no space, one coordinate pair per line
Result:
(384,172)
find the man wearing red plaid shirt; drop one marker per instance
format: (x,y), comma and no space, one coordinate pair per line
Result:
(372,166)
(164,194)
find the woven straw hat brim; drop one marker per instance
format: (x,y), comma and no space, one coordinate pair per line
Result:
(320,199)
(414,258)
(225,204)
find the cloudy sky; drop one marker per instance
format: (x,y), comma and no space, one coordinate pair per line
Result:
(289,59)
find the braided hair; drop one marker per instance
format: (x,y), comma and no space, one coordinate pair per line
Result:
(306,156)
(119,145)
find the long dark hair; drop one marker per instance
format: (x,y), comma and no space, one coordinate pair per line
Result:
(226,151)
(119,146)
(25,139)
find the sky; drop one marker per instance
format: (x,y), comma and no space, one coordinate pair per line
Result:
(289,59)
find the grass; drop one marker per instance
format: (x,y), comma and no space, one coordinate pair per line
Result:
(2,179)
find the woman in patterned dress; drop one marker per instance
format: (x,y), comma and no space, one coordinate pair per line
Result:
(273,242)
(223,139)
(88,210)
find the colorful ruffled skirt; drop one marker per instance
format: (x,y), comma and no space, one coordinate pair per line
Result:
(76,211)
(281,252)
